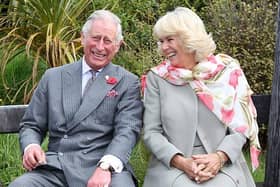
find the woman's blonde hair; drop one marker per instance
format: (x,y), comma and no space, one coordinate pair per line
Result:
(188,26)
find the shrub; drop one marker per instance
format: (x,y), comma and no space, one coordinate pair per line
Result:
(246,31)
(45,30)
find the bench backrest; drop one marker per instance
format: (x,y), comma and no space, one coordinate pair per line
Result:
(262,103)
(10,115)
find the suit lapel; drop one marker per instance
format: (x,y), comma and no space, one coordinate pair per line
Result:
(96,94)
(71,89)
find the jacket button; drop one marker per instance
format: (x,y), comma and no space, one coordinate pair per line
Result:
(60,153)
(65,136)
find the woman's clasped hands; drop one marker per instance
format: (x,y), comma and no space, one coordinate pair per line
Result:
(207,166)
(202,167)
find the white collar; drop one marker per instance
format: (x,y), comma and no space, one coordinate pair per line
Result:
(86,67)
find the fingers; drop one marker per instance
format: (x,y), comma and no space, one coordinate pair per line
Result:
(211,161)
(201,159)
(203,173)
(42,158)
(199,168)
(33,157)
(200,156)
(208,167)
(100,178)
(203,176)
(200,179)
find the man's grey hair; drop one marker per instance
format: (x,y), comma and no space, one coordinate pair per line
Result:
(104,14)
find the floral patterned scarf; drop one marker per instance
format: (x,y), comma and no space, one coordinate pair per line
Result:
(221,85)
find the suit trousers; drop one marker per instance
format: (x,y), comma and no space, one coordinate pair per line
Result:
(53,177)
(41,177)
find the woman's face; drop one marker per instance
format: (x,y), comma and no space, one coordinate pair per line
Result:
(172,49)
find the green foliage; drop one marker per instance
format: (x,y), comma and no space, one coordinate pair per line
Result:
(45,30)
(16,75)
(48,31)
(246,31)
(243,29)
(10,158)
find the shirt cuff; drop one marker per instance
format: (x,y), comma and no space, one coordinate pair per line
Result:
(113,161)
(30,145)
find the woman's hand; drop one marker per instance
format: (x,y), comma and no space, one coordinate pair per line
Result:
(185,164)
(213,162)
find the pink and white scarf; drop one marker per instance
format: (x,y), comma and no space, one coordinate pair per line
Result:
(221,85)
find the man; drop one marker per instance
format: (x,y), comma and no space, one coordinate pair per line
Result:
(92,129)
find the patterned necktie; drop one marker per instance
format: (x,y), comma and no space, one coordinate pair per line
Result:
(90,81)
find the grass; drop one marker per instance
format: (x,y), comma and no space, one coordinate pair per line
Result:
(11,167)
(10,158)
(260,171)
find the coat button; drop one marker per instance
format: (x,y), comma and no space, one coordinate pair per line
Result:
(65,136)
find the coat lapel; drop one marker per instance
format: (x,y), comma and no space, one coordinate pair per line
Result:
(71,89)
(96,94)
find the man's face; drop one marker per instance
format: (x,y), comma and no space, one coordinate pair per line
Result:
(100,44)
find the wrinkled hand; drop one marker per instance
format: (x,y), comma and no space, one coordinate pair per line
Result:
(33,157)
(211,163)
(188,165)
(99,178)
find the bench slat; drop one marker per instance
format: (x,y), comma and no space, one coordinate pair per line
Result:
(10,116)
(262,104)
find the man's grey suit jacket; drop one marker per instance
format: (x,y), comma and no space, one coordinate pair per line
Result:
(80,130)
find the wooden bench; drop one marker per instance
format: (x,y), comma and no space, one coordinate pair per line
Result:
(10,116)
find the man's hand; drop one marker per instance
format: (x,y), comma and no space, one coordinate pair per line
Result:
(33,156)
(100,178)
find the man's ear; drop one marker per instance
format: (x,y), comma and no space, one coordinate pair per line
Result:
(118,46)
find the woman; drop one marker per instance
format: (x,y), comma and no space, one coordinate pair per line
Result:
(198,110)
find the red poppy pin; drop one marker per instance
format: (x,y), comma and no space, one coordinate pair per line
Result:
(111,80)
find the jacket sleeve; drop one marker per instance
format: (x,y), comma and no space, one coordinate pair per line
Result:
(232,145)
(153,137)
(127,121)
(33,126)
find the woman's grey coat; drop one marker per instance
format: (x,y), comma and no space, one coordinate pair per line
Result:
(173,117)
